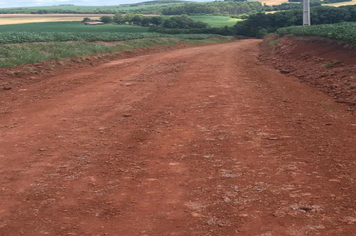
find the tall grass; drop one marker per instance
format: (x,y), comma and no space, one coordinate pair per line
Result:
(27,53)
(343,31)
(31,37)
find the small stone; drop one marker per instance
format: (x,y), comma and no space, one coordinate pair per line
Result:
(348,220)
(3,225)
(279,213)
(334,180)
(7,88)
(126,115)
(243,215)
(221,224)
(208,156)
(285,209)
(226,199)
(194,214)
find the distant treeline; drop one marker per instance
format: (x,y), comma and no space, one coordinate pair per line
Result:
(221,8)
(173,22)
(152,3)
(259,24)
(290,6)
(239,7)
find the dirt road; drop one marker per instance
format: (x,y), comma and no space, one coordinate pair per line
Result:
(196,141)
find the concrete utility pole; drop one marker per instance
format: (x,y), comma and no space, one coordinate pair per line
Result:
(306,12)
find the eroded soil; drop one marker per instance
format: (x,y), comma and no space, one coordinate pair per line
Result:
(195,141)
(327,65)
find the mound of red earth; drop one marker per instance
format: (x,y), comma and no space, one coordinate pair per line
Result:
(325,64)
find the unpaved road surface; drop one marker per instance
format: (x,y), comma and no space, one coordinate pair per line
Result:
(197,141)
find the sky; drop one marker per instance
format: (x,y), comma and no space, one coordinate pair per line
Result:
(24,3)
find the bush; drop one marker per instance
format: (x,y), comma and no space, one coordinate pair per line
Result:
(106,19)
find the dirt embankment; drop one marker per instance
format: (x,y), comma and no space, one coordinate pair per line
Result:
(327,65)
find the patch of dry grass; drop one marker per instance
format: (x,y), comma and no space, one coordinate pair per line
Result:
(272,2)
(353,2)
(10,19)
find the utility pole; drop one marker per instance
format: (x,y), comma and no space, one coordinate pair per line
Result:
(306,12)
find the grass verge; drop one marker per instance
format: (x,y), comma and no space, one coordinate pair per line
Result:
(343,31)
(26,53)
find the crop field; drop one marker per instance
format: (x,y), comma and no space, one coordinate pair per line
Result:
(343,31)
(216,21)
(28,10)
(339,4)
(71,27)
(8,19)
(272,2)
(31,37)
(76,31)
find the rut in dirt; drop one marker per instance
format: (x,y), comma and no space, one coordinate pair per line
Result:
(197,141)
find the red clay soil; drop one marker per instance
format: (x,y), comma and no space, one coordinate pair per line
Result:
(325,64)
(196,141)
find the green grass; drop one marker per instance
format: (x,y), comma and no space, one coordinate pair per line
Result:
(75,31)
(216,21)
(28,37)
(27,53)
(343,31)
(70,27)
(35,42)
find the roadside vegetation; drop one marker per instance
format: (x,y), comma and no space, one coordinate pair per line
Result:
(343,31)
(176,22)
(27,53)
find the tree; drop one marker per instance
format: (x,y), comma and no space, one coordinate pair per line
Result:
(128,17)
(118,19)
(106,19)
(86,19)
(137,19)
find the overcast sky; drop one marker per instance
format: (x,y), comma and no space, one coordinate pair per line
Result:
(23,3)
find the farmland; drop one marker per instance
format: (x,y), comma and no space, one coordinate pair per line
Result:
(79,9)
(71,27)
(8,19)
(35,42)
(216,21)
(342,31)
(353,2)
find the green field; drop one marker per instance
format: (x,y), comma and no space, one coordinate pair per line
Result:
(71,27)
(87,8)
(216,21)
(35,42)
(343,31)
(75,31)
(78,9)
(26,53)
